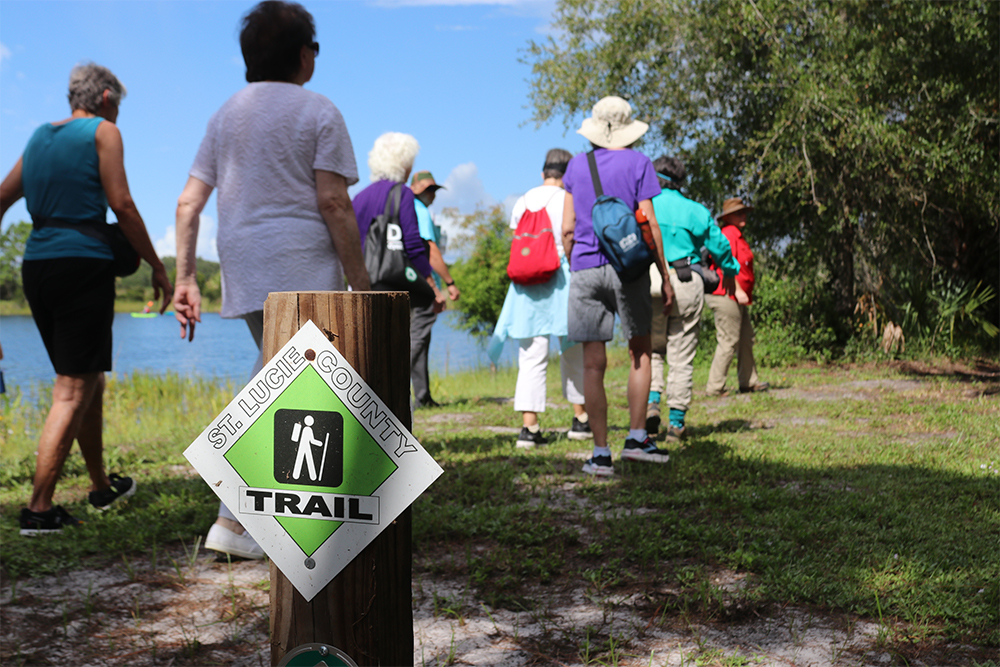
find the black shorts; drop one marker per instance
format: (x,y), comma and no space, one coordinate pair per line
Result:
(73,302)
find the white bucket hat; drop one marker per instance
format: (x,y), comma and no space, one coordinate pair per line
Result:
(611,124)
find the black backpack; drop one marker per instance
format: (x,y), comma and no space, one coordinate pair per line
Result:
(389,267)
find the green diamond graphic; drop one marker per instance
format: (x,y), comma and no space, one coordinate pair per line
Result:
(366,466)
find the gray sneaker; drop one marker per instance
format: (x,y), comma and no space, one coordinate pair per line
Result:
(675,434)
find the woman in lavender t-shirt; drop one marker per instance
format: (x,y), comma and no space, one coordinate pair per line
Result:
(282,161)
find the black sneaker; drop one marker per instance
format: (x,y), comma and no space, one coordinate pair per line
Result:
(580,430)
(644,451)
(652,418)
(599,466)
(49,522)
(527,439)
(121,487)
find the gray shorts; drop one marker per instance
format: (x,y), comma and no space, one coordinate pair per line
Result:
(595,295)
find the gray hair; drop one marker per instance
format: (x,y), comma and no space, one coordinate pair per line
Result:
(87,84)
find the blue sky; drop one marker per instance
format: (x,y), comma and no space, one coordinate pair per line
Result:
(446,71)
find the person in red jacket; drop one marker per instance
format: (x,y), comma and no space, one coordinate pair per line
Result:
(733,329)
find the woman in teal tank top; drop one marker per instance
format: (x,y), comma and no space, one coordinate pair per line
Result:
(70,172)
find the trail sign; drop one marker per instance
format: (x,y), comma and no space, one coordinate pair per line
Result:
(311,461)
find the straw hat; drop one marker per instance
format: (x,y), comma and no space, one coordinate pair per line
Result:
(732,206)
(422,180)
(611,124)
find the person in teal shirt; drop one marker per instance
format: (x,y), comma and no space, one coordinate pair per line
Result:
(422,319)
(686,226)
(71,171)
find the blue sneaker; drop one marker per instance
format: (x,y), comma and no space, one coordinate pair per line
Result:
(644,451)
(599,466)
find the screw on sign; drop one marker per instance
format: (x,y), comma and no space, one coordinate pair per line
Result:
(316,655)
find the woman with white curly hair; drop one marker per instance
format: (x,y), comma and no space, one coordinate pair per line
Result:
(391,160)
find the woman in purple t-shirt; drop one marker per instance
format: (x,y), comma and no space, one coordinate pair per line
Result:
(596,294)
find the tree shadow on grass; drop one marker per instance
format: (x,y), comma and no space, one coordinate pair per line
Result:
(163,510)
(906,543)
(981,370)
(725,426)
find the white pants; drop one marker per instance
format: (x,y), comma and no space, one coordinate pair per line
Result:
(532,364)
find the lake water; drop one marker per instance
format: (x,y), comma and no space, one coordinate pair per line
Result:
(221,349)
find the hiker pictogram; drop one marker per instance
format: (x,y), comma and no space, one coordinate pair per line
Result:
(309,447)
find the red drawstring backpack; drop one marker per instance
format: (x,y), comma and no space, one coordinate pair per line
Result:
(533,255)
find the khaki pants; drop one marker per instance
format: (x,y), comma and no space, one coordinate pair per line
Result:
(676,337)
(735,336)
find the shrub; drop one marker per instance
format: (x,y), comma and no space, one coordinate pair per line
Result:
(794,321)
(482,273)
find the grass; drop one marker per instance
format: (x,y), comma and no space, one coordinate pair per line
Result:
(854,490)
(149,421)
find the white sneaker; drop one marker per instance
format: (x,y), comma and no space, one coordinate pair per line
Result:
(226,541)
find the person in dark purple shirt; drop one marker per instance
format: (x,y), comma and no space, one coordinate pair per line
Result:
(596,294)
(391,160)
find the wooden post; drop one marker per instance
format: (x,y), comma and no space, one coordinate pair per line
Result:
(366,609)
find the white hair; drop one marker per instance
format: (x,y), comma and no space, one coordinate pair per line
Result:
(392,156)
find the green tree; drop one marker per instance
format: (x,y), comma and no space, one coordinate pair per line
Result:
(482,272)
(864,131)
(12,242)
(137,286)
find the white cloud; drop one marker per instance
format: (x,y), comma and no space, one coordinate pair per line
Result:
(5,53)
(455,28)
(508,203)
(464,190)
(167,246)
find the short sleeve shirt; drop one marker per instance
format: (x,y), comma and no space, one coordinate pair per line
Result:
(261,152)
(626,174)
(425,222)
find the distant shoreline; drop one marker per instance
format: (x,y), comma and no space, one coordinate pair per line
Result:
(9,308)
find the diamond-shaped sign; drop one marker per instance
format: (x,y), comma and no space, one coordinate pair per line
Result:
(311,461)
